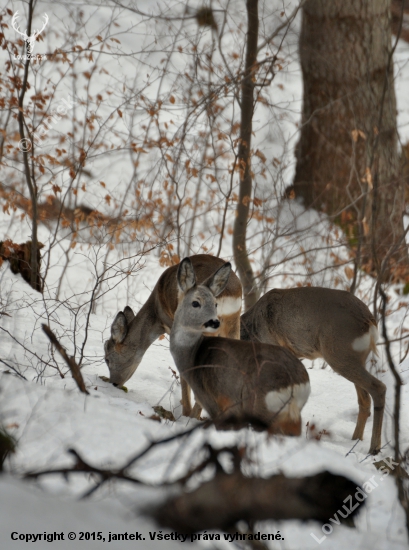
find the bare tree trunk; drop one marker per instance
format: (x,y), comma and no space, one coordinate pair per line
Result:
(247,109)
(25,146)
(347,156)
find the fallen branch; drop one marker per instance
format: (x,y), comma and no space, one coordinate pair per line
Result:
(82,466)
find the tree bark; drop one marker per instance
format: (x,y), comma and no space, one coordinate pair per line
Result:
(347,155)
(35,276)
(241,258)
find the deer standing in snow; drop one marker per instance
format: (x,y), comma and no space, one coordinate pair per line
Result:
(233,379)
(333,324)
(131,335)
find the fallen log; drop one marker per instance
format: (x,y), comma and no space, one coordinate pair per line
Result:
(229,498)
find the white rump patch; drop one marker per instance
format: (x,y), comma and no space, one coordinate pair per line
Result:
(288,401)
(363,343)
(228,305)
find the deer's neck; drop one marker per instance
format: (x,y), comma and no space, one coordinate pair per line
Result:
(145,328)
(184,344)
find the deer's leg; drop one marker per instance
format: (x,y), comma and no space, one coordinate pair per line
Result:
(377,390)
(352,367)
(196,411)
(378,395)
(187,409)
(364,402)
(186,403)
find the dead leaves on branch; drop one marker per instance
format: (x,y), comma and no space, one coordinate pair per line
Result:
(19,258)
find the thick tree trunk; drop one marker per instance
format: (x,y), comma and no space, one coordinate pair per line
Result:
(347,156)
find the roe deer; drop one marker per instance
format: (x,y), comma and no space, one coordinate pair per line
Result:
(231,378)
(131,335)
(317,322)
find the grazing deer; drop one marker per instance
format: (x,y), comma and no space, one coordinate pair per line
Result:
(232,379)
(317,322)
(131,335)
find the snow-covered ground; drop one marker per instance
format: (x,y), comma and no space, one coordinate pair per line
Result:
(48,415)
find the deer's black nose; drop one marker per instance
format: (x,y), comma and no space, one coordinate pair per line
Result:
(213,323)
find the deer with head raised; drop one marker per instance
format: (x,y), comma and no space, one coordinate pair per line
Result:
(315,322)
(131,335)
(233,379)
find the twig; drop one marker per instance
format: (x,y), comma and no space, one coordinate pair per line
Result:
(74,368)
(370,454)
(286,23)
(81,466)
(13,369)
(353,447)
(33,353)
(396,412)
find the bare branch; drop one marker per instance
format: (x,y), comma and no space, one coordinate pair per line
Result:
(75,370)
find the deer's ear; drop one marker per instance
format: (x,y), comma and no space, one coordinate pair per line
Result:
(119,328)
(218,281)
(129,314)
(186,275)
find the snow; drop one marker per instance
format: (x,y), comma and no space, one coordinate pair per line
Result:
(26,510)
(47,414)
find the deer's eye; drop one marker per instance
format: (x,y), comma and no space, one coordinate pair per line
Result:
(195,304)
